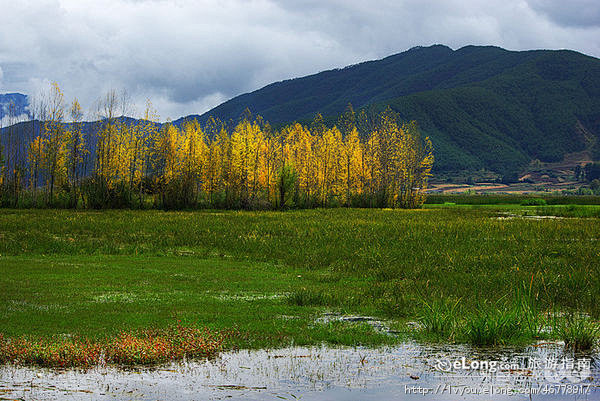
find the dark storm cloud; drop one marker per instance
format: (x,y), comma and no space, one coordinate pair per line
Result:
(574,13)
(188,56)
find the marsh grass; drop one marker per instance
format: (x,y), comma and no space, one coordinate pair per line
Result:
(440,317)
(511,199)
(493,326)
(534,202)
(91,274)
(579,332)
(527,306)
(488,324)
(308,297)
(519,320)
(578,211)
(516,319)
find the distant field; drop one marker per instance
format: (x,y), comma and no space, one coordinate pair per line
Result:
(498,188)
(511,199)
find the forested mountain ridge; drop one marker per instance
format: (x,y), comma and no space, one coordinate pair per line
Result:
(483,107)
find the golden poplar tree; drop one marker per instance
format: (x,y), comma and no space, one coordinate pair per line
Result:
(195,156)
(76,150)
(55,141)
(352,169)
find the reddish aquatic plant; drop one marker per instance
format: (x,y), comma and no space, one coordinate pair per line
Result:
(141,347)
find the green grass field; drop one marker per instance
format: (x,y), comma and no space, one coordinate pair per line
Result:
(271,275)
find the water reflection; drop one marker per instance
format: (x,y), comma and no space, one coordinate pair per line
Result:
(407,371)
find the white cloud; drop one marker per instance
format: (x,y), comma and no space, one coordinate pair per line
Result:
(7,121)
(188,56)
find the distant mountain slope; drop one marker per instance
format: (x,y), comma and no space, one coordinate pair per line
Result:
(18,101)
(483,107)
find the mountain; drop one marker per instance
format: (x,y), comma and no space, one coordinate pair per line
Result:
(483,107)
(19,102)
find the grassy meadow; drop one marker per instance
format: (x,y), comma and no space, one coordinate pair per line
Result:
(477,274)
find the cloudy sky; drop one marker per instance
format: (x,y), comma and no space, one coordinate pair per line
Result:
(188,56)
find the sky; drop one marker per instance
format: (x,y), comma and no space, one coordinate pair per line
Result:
(189,56)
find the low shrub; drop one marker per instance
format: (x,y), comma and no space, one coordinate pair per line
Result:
(534,202)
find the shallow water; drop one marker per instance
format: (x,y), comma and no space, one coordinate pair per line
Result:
(407,371)
(510,216)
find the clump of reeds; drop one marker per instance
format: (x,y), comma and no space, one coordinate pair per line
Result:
(520,318)
(579,332)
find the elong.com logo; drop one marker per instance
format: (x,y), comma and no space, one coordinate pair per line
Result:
(552,369)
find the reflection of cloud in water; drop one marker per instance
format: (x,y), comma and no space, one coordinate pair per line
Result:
(319,373)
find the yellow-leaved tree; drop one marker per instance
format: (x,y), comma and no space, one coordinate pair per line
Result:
(76,151)
(55,138)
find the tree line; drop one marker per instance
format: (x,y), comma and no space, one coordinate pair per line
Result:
(364,160)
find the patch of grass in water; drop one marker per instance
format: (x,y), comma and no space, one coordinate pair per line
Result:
(440,318)
(346,333)
(487,325)
(493,326)
(579,333)
(518,320)
(527,303)
(308,297)
(509,320)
